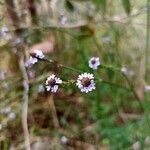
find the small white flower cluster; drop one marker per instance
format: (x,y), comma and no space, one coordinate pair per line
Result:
(106,39)
(64,140)
(85,81)
(5,34)
(94,62)
(11,115)
(52,83)
(7,111)
(38,54)
(63,19)
(31,61)
(147,88)
(2,75)
(41,88)
(126,71)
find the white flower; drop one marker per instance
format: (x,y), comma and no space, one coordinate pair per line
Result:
(2,75)
(41,88)
(6,86)
(63,19)
(124,70)
(4,29)
(94,62)
(31,61)
(31,74)
(106,39)
(11,115)
(85,82)
(4,32)
(38,54)
(5,110)
(147,88)
(64,140)
(52,83)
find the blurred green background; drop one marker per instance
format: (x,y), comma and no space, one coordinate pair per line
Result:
(115,115)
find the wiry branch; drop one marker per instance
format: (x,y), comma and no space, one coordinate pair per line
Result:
(25,101)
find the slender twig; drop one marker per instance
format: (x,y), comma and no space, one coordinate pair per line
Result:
(137,97)
(25,102)
(126,78)
(132,88)
(62,66)
(72,69)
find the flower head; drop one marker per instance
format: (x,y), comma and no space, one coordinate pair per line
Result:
(106,39)
(31,61)
(64,140)
(37,54)
(5,110)
(41,88)
(2,75)
(4,32)
(11,115)
(63,19)
(85,82)
(124,70)
(94,62)
(52,83)
(147,87)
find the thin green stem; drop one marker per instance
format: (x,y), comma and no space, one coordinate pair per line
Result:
(69,68)
(62,66)
(113,84)
(97,79)
(136,96)
(131,88)
(110,67)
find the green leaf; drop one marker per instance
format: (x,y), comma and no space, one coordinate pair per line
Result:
(127,6)
(69,5)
